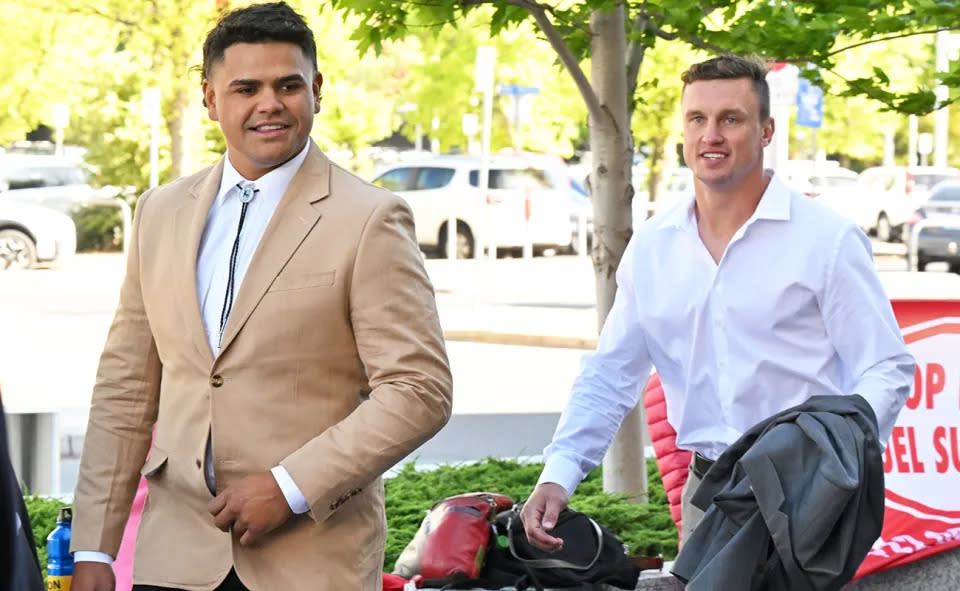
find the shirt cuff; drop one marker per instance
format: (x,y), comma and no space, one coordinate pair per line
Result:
(91,556)
(562,471)
(291,492)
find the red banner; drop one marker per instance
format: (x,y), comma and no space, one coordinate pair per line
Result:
(922,459)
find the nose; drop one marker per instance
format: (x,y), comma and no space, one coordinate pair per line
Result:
(269,101)
(711,133)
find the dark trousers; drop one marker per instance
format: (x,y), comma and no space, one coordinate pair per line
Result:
(231,583)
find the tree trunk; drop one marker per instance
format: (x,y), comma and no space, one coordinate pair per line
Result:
(624,464)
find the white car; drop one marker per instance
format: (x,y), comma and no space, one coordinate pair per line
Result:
(527,202)
(32,235)
(49,181)
(893,193)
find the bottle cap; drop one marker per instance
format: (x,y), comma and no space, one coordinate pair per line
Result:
(65,515)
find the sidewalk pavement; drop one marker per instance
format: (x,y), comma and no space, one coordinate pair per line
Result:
(544,302)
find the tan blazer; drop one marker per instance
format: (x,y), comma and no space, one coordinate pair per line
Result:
(332,365)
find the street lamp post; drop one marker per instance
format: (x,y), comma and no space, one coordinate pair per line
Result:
(483,82)
(151,111)
(61,118)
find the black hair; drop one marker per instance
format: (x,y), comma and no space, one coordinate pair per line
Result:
(258,23)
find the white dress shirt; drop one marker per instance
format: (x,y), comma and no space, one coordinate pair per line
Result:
(213,269)
(793,309)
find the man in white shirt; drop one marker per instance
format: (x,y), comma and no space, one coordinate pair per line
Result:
(277,329)
(748,298)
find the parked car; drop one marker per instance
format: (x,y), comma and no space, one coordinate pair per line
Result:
(44,180)
(527,200)
(32,234)
(938,237)
(893,193)
(834,186)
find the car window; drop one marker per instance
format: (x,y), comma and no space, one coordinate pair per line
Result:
(951,193)
(67,175)
(33,177)
(24,178)
(433,178)
(526,179)
(835,182)
(514,179)
(397,179)
(494,180)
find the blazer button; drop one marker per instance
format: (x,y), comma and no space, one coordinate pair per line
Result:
(216,381)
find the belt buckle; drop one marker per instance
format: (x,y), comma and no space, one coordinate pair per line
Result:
(701,464)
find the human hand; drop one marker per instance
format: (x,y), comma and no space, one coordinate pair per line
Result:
(539,515)
(252,507)
(93,576)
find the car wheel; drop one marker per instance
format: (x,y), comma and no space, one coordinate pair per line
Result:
(922,262)
(17,250)
(955,268)
(464,242)
(884,231)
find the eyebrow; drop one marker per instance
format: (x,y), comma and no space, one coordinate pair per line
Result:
(722,113)
(254,82)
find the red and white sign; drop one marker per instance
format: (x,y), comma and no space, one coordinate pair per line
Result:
(922,459)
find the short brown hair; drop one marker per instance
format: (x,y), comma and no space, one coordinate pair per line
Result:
(733,67)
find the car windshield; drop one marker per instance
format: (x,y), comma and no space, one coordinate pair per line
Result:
(33,177)
(951,193)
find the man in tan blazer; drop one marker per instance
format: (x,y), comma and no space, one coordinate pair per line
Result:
(277,328)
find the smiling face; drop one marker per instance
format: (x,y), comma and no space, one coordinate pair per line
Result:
(264,95)
(723,134)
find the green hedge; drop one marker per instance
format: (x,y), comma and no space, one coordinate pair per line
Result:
(43,518)
(646,528)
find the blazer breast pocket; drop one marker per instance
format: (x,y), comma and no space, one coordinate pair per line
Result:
(291,281)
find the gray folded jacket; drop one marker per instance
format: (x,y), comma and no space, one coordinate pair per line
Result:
(794,504)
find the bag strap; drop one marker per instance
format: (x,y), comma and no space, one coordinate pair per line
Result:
(555,562)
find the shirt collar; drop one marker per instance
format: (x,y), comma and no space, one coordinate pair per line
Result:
(274,182)
(774,205)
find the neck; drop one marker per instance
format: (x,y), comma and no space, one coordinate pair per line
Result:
(722,210)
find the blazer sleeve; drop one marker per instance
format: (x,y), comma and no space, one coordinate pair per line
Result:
(400,343)
(122,413)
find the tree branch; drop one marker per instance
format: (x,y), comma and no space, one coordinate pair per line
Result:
(635,52)
(891,38)
(683,36)
(539,13)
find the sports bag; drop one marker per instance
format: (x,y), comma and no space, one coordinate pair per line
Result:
(452,541)
(591,556)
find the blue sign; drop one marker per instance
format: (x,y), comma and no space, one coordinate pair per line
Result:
(516,89)
(809,104)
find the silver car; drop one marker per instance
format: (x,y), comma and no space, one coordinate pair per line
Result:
(32,235)
(935,228)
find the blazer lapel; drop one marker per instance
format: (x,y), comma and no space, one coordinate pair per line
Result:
(293,219)
(191,219)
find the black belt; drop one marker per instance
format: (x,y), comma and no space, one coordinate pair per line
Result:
(701,464)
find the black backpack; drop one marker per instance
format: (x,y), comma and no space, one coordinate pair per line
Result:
(591,556)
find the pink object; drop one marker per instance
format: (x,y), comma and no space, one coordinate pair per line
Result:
(672,462)
(123,565)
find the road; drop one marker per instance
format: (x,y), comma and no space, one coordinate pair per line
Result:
(507,396)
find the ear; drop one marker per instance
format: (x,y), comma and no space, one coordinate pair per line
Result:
(209,100)
(317,85)
(766,132)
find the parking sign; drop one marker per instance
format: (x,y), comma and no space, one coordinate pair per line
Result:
(809,104)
